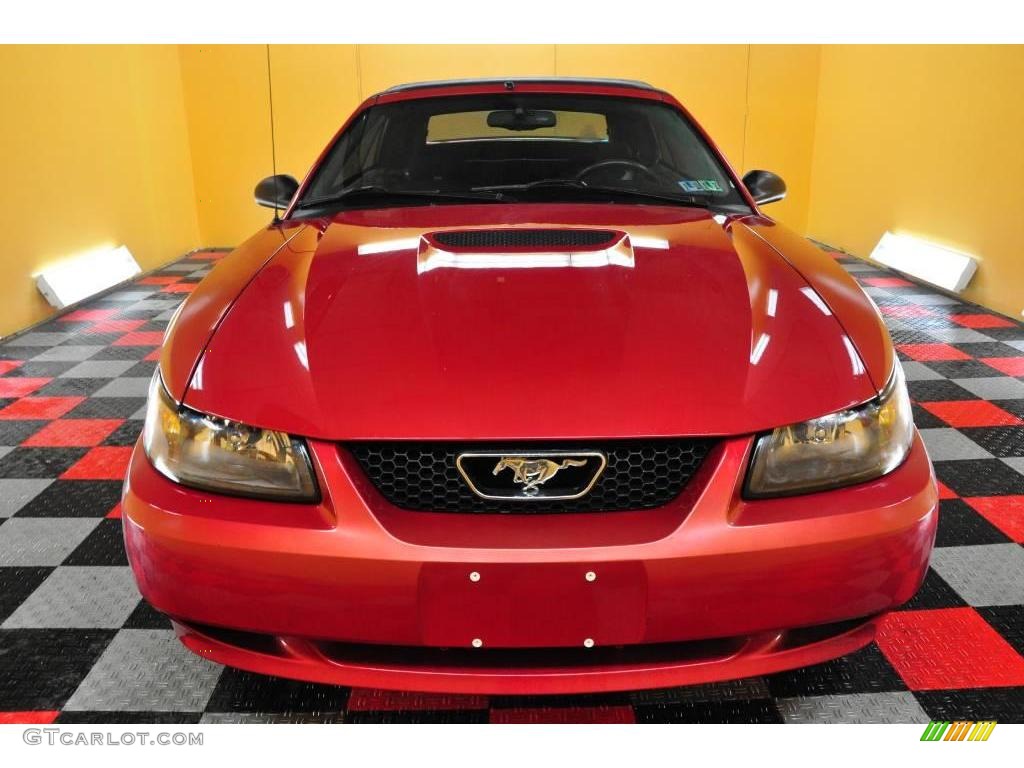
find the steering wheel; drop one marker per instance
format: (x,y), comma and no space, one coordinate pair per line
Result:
(635,165)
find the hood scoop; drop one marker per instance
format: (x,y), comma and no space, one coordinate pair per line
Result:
(512,237)
(517,248)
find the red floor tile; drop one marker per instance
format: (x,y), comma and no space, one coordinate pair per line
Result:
(115,513)
(159,280)
(945,492)
(154,355)
(981,321)
(1011,366)
(604,715)
(887,282)
(6,366)
(115,326)
(371,700)
(1004,512)
(972,413)
(73,433)
(950,648)
(101,463)
(40,407)
(87,315)
(19,387)
(35,717)
(932,352)
(906,310)
(141,339)
(179,288)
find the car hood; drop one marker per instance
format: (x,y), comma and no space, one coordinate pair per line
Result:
(691,325)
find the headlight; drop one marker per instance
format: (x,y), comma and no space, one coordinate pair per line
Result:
(224,456)
(840,449)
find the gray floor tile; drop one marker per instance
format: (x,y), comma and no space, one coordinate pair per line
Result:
(129,296)
(124,387)
(957,335)
(872,290)
(86,597)
(155,304)
(38,339)
(182,266)
(916,371)
(69,353)
(929,299)
(98,369)
(16,493)
(985,574)
(42,541)
(945,444)
(887,707)
(146,670)
(994,388)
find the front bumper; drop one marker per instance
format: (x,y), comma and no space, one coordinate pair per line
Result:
(354,591)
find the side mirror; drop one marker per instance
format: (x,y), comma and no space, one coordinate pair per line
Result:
(764,186)
(276,191)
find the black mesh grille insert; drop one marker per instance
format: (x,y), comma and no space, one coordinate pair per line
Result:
(524,238)
(422,476)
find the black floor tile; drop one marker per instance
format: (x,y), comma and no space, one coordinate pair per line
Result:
(41,668)
(74,498)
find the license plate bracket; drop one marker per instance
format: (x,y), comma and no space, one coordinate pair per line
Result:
(532,605)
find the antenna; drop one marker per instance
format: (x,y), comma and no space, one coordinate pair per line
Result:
(273,143)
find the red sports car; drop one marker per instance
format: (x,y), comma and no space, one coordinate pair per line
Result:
(521,393)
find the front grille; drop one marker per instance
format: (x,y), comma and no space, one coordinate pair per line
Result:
(524,238)
(422,476)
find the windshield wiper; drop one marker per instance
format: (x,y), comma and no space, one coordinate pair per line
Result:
(374,193)
(575,184)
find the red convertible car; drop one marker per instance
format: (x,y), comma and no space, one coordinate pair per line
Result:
(522,393)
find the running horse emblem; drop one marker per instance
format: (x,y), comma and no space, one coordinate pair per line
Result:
(532,473)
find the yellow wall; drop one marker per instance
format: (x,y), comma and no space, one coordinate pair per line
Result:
(94,152)
(925,140)
(782,121)
(756,101)
(228,110)
(159,147)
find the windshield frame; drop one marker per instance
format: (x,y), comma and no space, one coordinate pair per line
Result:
(746,207)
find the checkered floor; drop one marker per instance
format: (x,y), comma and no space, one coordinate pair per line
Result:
(78,645)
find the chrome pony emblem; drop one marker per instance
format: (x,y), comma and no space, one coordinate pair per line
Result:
(524,476)
(531,473)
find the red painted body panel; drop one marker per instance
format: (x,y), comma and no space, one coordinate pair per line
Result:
(709,565)
(743,657)
(703,325)
(368,347)
(855,311)
(198,317)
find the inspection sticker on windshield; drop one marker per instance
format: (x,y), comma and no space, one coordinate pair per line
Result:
(700,185)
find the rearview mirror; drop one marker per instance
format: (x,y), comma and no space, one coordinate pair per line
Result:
(520,119)
(764,186)
(276,191)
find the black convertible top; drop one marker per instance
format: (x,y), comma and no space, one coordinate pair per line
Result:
(513,80)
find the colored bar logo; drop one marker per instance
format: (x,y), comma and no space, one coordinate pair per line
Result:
(961,730)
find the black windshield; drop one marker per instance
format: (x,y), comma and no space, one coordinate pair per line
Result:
(520,148)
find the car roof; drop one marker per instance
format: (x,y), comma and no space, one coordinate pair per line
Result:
(596,81)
